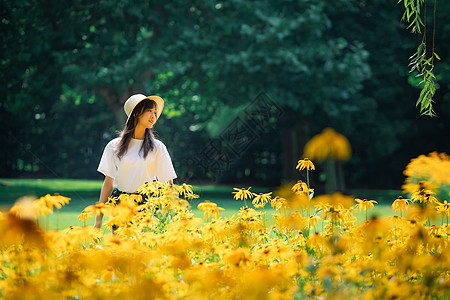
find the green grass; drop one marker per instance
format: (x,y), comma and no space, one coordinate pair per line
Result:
(85,192)
(66,217)
(88,190)
(11,189)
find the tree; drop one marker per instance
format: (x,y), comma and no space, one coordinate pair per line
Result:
(75,63)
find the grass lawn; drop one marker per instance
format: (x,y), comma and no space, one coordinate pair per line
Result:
(85,192)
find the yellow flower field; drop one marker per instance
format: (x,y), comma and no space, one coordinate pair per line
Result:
(160,251)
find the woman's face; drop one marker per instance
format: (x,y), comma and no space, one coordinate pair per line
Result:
(148,118)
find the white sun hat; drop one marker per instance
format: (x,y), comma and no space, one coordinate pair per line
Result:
(134,100)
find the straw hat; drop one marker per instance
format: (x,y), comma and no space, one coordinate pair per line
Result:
(134,100)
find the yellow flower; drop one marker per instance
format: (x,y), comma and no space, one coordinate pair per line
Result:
(443,208)
(24,208)
(206,205)
(328,143)
(98,208)
(294,200)
(56,200)
(238,256)
(191,196)
(130,199)
(334,212)
(186,189)
(313,221)
(305,164)
(242,194)
(42,207)
(79,234)
(431,172)
(317,242)
(421,212)
(210,209)
(83,216)
(322,205)
(365,204)
(147,222)
(300,186)
(400,204)
(123,213)
(419,186)
(261,200)
(248,213)
(154,188)
(278,203)
(334,200)
(423,195)
(173,188)
(215,213)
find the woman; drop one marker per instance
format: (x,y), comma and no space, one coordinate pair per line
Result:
(135,157)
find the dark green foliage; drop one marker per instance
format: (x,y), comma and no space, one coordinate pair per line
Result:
(67,67)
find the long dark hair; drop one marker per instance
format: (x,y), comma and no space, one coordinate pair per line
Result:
(127,133)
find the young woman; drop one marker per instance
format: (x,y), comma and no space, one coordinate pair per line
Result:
(135,157)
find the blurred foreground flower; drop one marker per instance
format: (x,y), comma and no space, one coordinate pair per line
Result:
(289,197)
(210,209)
(335,200)
(329,143)
(29,207)
(429,174)
(444,208)
(328,146)
(15,230)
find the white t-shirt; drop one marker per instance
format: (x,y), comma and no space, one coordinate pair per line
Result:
(133,170)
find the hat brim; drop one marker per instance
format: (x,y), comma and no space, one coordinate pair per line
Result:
(159,103)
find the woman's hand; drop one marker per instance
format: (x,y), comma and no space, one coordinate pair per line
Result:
(106,191)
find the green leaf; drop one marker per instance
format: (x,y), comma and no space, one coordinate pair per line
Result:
(431,74)
(409,14)
(420,20)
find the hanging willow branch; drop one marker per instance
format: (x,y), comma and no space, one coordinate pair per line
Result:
(421,61)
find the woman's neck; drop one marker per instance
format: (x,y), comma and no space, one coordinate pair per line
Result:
(139,133)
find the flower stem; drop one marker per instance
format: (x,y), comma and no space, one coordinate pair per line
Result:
(307,178)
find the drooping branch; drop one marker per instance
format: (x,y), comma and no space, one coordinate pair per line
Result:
(421,61)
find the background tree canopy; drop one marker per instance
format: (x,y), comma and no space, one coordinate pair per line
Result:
(67,68)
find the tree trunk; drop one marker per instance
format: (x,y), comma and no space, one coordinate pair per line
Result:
(288,168)
(340,179)
(330,173)
(115,101)
(294,139)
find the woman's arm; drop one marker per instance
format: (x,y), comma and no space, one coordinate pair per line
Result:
(106,191)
